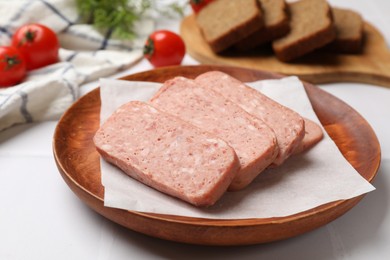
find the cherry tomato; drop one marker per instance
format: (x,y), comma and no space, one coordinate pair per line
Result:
(164,48)
(198,5)
(38,43)
(12,66)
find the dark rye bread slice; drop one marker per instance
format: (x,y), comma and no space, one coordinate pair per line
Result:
(349,31)
(276,25)
(225,22)
(311,27)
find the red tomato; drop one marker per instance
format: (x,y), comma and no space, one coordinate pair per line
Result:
(12,66)
(197,5)
(38,44)
(164,48)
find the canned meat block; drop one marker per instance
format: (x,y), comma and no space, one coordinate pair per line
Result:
(253,141)
(167,154)
(288,125)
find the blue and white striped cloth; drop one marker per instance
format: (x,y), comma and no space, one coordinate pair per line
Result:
(85,55)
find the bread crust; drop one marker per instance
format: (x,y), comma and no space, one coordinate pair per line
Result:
(269,32)
(305,44)
(230,35)
(349,36)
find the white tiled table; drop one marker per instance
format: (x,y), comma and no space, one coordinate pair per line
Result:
(40,217)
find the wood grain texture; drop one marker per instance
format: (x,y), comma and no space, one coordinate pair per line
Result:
(372,66)
(78,163)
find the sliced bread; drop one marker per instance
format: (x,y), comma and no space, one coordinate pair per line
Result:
(276,25)
(349,31)
(311,27)
(225,22)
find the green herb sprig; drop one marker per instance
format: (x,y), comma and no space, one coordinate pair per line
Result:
(116,18)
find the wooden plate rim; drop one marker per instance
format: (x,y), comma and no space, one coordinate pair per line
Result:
(204,221)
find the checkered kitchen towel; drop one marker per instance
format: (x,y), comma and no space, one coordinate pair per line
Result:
(85,55)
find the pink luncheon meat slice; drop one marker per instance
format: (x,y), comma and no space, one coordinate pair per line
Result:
(167,154)
(313,134)
(253,141)
(288,125)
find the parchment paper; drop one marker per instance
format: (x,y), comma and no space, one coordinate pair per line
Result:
(304,181)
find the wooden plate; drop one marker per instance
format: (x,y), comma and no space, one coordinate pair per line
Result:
(372,66)
(78,163)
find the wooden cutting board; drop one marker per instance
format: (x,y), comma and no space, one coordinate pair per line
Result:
(372,66)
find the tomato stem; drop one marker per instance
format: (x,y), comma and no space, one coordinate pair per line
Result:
(149,48)
(11,61)
(29,36)
(196,2)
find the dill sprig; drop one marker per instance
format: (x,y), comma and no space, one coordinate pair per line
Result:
(117,17)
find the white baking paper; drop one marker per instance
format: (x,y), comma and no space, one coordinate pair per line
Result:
(303,182)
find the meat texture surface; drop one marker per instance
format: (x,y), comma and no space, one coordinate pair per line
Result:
(167,154)
(288,125)
(254,142)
